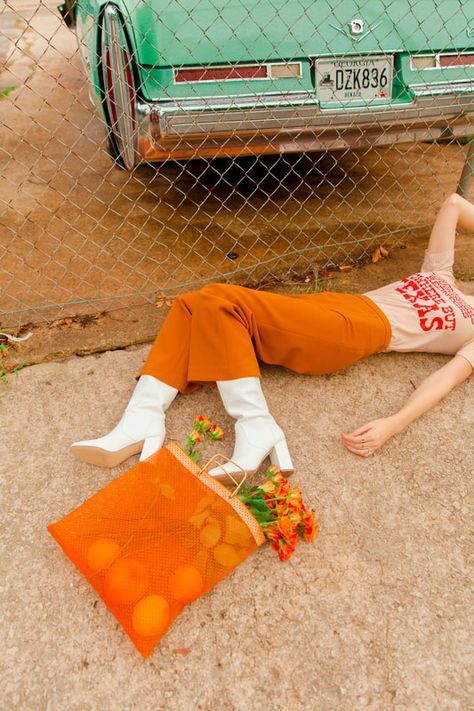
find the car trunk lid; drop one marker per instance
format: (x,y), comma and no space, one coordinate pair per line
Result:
(195,32)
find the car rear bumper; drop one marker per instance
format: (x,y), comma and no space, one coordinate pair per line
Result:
(288,123)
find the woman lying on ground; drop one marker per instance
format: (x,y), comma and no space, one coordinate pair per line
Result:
(220,333)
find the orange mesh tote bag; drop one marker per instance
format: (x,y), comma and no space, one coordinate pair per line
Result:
(155,539)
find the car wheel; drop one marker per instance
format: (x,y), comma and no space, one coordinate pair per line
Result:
(118,88)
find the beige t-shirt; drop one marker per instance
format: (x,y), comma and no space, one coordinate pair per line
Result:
(427,312)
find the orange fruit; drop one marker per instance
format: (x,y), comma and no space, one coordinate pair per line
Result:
(226,555)
(101,553)
(186,584)
(125,582)
(210,533)
(151,616)
(236,531)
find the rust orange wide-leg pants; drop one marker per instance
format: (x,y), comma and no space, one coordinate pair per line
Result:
(222,332)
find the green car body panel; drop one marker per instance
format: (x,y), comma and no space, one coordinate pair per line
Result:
(195,31)
(168,35)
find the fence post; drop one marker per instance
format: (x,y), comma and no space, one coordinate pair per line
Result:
(467,171)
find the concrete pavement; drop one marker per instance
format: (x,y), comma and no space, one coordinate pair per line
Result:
(376,613)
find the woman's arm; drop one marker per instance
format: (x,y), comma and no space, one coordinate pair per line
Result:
(368,439)
(455,211)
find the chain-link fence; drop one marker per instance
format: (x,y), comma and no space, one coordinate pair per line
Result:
(149,147)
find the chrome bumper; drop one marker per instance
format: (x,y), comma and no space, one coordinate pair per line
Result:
(294,123)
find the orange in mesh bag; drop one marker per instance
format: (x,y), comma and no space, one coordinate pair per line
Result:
(156,538)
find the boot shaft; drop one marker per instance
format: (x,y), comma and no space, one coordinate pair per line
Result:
(243,397)
(151,394)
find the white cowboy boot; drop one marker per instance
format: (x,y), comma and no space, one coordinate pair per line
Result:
(142,427)
(257,435)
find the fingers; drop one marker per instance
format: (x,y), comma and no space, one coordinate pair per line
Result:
(366,452)
(361,430)
(363,446)
(362,438)
(359,434)
(365,440)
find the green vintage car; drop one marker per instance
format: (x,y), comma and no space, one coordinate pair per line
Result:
(201,78)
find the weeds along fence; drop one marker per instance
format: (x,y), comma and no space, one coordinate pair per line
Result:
(150,147)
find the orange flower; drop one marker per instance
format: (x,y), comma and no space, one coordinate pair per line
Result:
(310,526)
(286,527)
(296,516)
(286,551)
(195,436)
(269,487)
(215,432)
(294,540)
(281,484)
(202,423)
(281,509)
(283,490)
(280,512)
(295,509)
(295,497)
(272,533)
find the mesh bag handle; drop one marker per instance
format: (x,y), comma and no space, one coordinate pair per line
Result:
(222,459)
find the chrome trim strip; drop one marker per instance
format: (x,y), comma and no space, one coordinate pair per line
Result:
(436,88)
(243,101)
(173,120)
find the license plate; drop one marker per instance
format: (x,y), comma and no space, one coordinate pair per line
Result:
(350,80)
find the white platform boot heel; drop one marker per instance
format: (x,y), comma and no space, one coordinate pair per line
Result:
(141,428)
(257,435)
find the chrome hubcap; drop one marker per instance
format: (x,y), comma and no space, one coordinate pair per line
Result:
(119,87)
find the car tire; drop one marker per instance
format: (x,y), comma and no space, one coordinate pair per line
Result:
(118,87)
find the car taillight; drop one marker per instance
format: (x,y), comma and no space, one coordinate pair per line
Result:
(456,60)
(278,70)
(438,61)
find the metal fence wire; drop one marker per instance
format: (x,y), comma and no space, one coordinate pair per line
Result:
(150,147)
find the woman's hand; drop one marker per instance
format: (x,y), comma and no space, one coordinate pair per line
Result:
(370,437)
